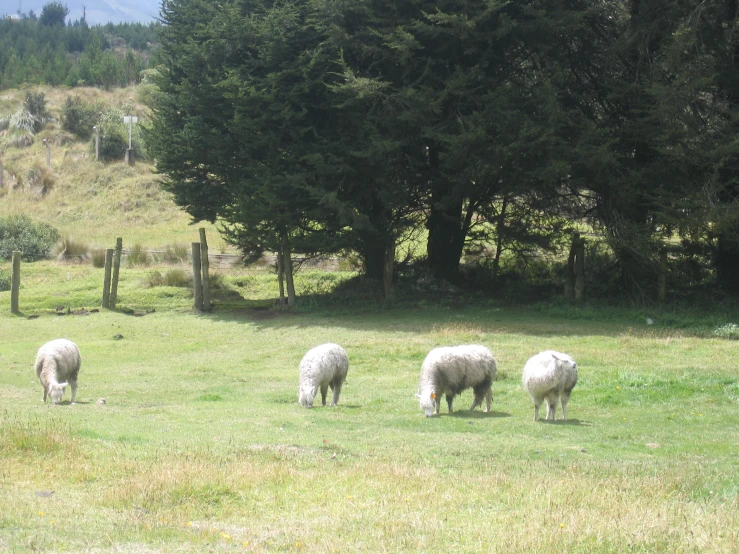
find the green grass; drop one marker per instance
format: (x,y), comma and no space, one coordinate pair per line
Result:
(202,446)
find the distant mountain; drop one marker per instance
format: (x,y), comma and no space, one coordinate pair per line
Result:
(97,12)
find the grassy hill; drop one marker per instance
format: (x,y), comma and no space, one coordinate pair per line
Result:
(90,201)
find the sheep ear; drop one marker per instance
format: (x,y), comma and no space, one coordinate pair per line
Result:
(418,395)
(556,358)
(63,385)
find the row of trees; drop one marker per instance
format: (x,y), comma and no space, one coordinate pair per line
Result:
(34,51)
(321,126)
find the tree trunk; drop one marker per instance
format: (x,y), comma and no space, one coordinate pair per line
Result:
(288,267)
(726,261)
(389,265)
(444,246)
(445,240)
(281,276)
(499,227)
(570,277)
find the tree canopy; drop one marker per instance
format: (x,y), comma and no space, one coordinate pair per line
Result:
(320,126)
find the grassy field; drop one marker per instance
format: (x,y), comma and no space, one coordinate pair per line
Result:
(202,446)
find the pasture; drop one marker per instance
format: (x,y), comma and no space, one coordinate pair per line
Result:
(201,445)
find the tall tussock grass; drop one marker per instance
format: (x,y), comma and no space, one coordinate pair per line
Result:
(33,436)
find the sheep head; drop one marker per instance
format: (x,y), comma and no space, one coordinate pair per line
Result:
(564,362)
(56,391)
(307,395)
(428,400)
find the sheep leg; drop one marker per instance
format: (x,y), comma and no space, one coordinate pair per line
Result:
(324,390)
(536,412)
(45,391)
(488,400)
(565,400)
(73,383)
(551,409)
(337,391)
(449,400)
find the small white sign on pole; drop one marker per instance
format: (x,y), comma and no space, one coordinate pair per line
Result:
(130,119)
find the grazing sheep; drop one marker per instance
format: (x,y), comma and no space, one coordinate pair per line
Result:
(58,360)
(552,376)
(322,367)
(451,369)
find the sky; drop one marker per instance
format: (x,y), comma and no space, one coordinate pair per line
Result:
(98,12)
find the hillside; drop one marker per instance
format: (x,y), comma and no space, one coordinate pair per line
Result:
(89,201)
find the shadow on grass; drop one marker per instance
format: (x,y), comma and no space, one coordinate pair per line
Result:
(569,422)
(69,403)
(466,414)
(515,320)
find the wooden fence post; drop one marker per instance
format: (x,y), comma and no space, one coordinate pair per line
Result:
(97,142)
(48,152)
(116,272)
(15,282)
(197,285)
(106,280)
(206,270)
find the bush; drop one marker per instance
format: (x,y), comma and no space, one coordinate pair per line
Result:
(114,137)
(79,117)
(19,232)
(728,331)
(138,256)
(70,247)
(98,258)
(175,253)
(4,281)
(172,278)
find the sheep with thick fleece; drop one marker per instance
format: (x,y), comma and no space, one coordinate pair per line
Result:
(58,364)
(322,367)
(449,370)
(550,376)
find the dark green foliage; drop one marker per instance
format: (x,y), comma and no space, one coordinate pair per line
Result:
(113,142)
(34,239)
(5,281)
(79,117)
(496,127)
(53,13)
(34,53)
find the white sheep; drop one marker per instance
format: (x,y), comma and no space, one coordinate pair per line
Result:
(449,370)
(550,375)
(57,364)
(322,367)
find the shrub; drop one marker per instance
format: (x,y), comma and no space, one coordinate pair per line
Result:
(79,117)
(172,278)
(175,253)
(114,137)
(39,178)
(4,281)
(98,257)
(19,232)
(138,256)
(71,247)
(728,331)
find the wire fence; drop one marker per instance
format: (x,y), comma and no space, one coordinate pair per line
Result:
(157,280)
